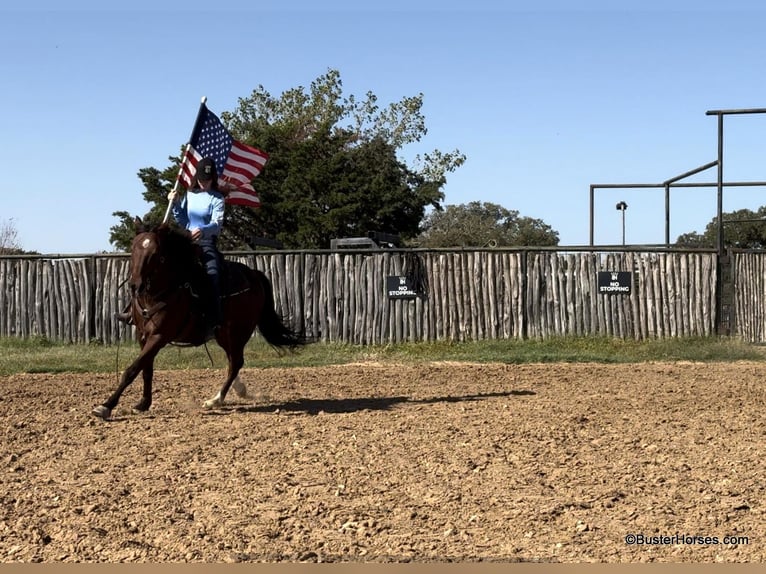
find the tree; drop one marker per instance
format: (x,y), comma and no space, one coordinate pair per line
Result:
(743,228)
(157,185)
(334,169)
(478,224)
(9,237)
(694,239)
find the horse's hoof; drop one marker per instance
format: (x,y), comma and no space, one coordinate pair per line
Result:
(102,412)
(212,403)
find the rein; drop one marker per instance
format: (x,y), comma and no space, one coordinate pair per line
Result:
(159,300)
(160,303)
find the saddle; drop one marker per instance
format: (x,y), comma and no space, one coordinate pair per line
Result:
(233,279)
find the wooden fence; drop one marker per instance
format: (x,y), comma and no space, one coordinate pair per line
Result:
(749,286)
(461,295)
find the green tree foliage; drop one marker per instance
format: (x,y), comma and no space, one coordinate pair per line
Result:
(334,169)
(478,224)
(157,184)
(741,229)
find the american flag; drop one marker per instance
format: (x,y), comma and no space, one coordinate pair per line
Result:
(237,164)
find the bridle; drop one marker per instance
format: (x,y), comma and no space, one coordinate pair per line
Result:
(152,302)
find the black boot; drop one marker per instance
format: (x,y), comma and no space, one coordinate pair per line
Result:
(125,316)
(214,317)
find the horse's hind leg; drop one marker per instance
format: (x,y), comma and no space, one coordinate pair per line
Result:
(239,388)
(236,360)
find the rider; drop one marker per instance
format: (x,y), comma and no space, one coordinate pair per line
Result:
(200,211)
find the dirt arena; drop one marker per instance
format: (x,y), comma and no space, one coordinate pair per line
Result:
(387,463)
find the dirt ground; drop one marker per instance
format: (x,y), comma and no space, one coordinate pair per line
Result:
(387,463)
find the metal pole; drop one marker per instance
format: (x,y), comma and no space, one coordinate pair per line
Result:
(724,283)
(720,184)
(722,322)
(667,215)
(622,206)
(591,214)
(623,227)
(673,180)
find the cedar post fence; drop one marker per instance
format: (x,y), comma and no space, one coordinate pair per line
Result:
(471,294)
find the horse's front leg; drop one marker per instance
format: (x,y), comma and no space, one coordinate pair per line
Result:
(145,362)
(146,398)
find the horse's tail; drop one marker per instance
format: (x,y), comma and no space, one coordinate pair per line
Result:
(271,325)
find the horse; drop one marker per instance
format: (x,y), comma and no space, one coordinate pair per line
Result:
(168,288)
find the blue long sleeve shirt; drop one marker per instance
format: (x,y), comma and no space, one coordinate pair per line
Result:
(200,210)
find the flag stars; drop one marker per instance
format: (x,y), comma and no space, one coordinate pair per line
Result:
(237,164)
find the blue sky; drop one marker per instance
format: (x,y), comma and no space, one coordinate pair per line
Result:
(544,100)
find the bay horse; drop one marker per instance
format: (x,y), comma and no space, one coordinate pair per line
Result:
(168,288)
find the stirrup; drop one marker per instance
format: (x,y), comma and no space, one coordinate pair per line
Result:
(126,318)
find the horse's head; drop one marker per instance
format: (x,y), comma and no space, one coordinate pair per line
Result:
(160,258)
(146,259)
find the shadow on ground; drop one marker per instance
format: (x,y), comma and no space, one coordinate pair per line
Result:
(314,406)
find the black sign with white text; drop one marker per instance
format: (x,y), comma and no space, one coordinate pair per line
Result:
(400,287)
(614,282)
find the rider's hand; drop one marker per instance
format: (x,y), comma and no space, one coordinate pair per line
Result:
(172,196)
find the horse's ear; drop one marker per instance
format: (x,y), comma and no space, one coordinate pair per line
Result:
(139,225)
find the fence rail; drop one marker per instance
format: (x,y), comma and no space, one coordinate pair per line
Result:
(462,295)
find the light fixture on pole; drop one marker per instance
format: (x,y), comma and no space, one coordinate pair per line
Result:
(622,206)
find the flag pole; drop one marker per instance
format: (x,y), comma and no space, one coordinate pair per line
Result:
(187,149)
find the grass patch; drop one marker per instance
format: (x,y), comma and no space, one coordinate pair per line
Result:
(39,355)
(574,349)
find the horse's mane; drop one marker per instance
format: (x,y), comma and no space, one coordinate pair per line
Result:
(177,246)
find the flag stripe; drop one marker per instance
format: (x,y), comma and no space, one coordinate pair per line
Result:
(240,198)
(242,168)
